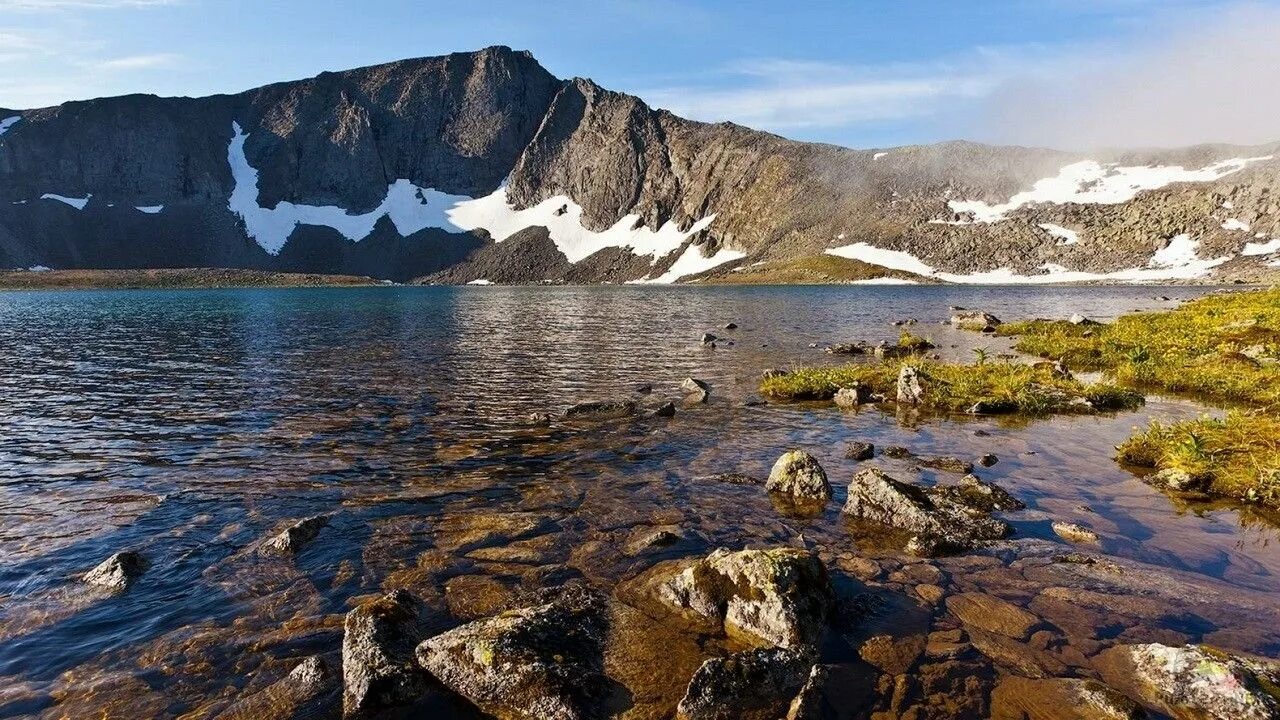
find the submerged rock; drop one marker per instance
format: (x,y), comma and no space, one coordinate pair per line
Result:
(974,320)
(1073,532)
(938,520)
(117,572)
(765,597)
(1019,698)
(985,612)
(540,662)
(732,479)
(378,666)
(847,349)
(310,690)
(601,410)
(294,537)
(539,419)
(1194,681)
(859,451)
(753,685)
(695,391)
(852,396)
(947,463)
(797,473)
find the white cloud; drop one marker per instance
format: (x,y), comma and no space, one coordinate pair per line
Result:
(138,62)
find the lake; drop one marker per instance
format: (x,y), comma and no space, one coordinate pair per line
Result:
(191,425)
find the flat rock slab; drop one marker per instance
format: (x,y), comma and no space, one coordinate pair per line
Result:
(992,614)
(1019,698)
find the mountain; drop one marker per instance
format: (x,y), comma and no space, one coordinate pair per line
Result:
(484,167)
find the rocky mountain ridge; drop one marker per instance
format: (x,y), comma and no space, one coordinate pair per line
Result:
(484,167)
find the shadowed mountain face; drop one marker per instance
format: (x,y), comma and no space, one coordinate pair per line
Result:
(429,167)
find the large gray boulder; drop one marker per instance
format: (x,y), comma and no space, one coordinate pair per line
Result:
(117,572)
(797,473)
(1194,682)
(937,520)
(753,685)
(771,597)
(542,662)
(378,666)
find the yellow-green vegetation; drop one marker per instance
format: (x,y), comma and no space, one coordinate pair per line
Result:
(1237,456)
(988,388)
(809,270)
(913,343)
(1222,346)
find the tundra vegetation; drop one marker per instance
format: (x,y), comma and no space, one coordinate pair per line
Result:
(1223,347)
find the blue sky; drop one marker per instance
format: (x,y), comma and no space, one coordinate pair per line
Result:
(860,73)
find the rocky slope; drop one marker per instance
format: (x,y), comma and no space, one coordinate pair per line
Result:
(484,167)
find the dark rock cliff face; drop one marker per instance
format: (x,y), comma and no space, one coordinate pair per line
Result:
(142,181)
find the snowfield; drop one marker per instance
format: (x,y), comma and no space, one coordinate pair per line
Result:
(7,123)
(1090,182)
(77,203)
(692,262)
(1065,236)
(412,208)
(1177,260)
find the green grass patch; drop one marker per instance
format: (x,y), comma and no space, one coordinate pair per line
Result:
(1236,457)
(991,387)
(1223,347)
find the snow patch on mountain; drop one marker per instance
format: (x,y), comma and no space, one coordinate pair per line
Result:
(149,209)
(692,262)
(1234,224)
(562,218)
(1177,260)
(411,208)
(1091,182)
(77,203)
(1261,248)
(7,123)
(1065,236)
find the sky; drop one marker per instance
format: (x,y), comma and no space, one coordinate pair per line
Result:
(860,73)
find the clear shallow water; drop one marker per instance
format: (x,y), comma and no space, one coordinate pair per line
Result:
(192,424)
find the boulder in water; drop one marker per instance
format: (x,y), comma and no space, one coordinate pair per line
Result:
(601,410)
(540,661)
(752,685)
(378,666)
(117,572)
(798,474)
(777,597)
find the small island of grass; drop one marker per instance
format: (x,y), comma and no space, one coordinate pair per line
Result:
(988,388)
(1223,347)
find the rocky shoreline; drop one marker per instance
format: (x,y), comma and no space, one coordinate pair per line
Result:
(174,278)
